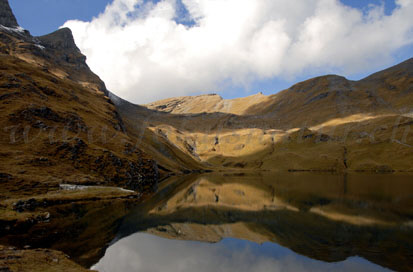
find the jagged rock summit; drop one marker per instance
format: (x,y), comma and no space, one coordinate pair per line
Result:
(60,39)
(7,17)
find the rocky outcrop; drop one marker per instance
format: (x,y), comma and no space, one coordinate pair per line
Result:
(61,39)
(7,17)
(60,50)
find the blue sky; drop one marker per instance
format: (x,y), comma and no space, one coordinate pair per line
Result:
(44,16)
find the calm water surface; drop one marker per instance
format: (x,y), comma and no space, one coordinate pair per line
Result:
(269,222)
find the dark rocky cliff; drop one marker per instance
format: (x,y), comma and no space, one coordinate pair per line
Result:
(7,17)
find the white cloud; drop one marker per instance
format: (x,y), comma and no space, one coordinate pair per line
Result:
(143,53)
(144,252)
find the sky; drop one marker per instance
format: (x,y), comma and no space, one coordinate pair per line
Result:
(149,50)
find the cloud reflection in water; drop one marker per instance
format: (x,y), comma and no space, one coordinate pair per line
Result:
(145,252)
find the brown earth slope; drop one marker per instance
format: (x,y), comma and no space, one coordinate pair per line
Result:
(58,126)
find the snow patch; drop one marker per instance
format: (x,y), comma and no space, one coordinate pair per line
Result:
(40,46)
(126,190)
(71,187)
(74,187)
(18,29)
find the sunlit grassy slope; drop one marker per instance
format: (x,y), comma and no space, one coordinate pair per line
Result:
(326,123)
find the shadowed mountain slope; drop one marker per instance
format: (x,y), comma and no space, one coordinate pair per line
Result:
(58,125)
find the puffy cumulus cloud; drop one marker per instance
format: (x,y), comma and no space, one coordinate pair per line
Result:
(146,51)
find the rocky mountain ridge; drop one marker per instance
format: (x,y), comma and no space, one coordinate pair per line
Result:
(327,123)
(374,90)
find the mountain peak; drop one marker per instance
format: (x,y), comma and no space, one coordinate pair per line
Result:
(7,17)
(60,39)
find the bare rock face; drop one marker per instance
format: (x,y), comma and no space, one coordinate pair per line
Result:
(7,18)
(60,39)
(62,50)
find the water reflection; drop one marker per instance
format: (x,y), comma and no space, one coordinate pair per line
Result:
(330,218)
(81,229)
(144,252)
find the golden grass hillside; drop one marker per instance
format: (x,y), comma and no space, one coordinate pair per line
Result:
(326,123)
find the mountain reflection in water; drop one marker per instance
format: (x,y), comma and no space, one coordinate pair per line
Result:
(144,252)
(269,222)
